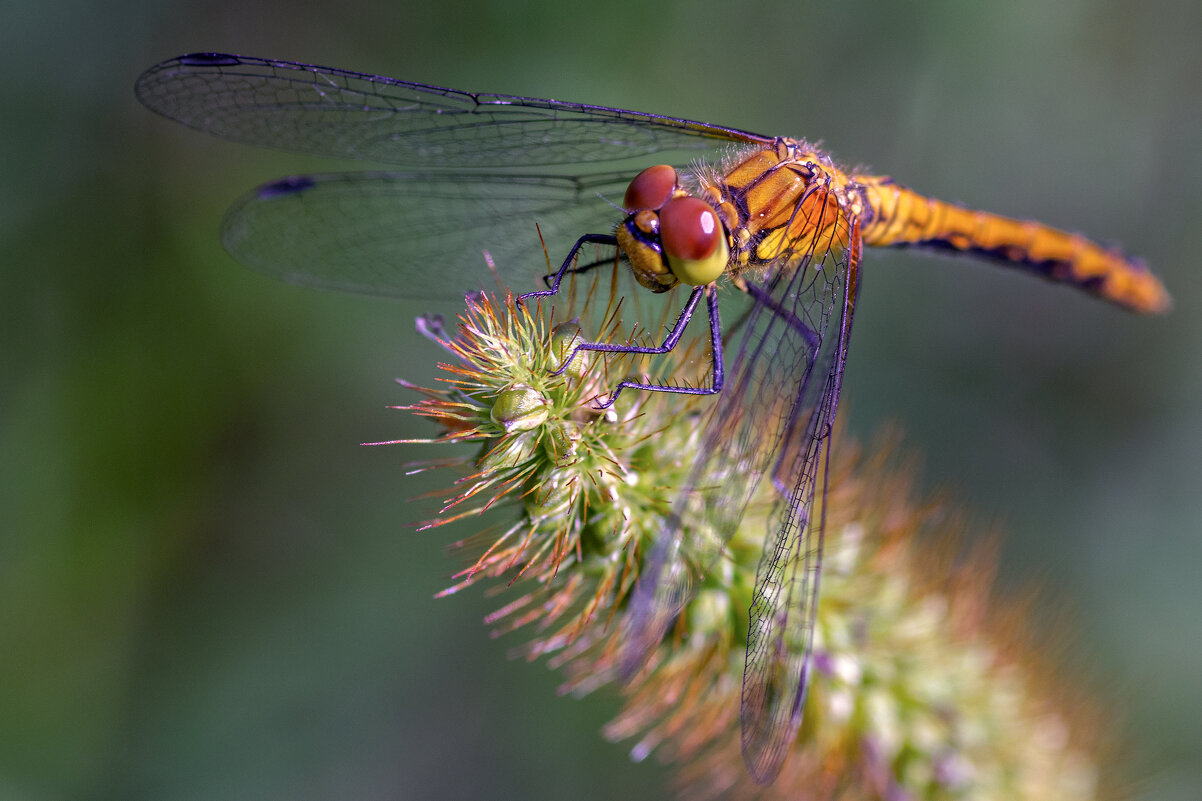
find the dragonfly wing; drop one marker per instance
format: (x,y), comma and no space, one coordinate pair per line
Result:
(333,112)
(416,235)
(775,385)
(781,620)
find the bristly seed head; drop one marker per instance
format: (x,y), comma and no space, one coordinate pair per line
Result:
(918,692)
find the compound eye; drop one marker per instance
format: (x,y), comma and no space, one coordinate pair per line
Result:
(651,188)
(694,240)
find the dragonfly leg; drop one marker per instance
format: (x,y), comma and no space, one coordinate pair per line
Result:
(762,297)
(565,268)
(717,371)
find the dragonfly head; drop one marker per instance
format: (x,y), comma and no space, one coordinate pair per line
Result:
(669,236)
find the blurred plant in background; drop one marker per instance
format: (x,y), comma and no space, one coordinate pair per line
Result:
(927,685)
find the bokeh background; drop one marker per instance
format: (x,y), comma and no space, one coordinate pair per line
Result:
(208,588)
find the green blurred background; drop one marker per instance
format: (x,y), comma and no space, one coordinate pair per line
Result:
(207,588)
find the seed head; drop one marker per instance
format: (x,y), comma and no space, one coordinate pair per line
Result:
(918,690)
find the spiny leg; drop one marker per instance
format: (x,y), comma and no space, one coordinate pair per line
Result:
(670,342)
(566,267)
(792,320)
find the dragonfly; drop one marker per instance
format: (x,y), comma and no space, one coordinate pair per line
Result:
(705,207)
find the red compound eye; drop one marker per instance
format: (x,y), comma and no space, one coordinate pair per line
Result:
(651,188)
(689,228)
(694,240)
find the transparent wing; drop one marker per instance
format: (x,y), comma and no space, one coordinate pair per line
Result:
(333,112)
(781,620)
(772,418)
(416,235)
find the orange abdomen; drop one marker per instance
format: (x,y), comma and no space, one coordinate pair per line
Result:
(902,217)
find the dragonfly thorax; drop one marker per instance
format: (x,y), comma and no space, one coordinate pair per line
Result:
(781,204)
(670,236)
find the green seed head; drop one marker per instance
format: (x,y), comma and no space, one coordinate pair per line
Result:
(564,339)
(520,409)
